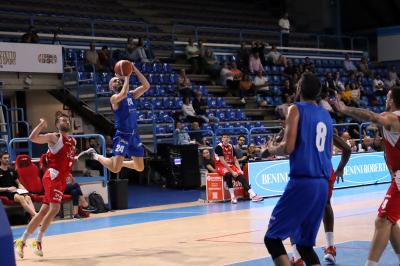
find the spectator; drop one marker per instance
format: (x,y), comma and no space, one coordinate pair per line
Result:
(212,66)
(377,144)
(200,107)
(245,88)
(290,70)
(193,57)
(234,84)
(226,75)
(240,152)
(260,83)
(253,153)
(140,51)
(276,57)
(338,83)
(330,84)
(364,67)
(284,25)
(208,162)
(349,65)
(109,146)
(287,89)
(355,94)
(260,48)
(91,57)
(255,63)
(282,109)
(196,135)
(367,144)
(181,137)
(325,103)
(78,200)
(30,36)
(105,63)
(11,188)
(190,114)
(243,57)
(130,49)
(228,166)
(378,86)
(184,84)
(308,65)
(261,101)
(393,78)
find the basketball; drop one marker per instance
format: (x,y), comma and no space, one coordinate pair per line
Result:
(123,68)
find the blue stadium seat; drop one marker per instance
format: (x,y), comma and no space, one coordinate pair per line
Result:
(167,68)
(230,115)
(240,115)
(220,115)
(220,102)
(277,100)
(270,101)
(169,128)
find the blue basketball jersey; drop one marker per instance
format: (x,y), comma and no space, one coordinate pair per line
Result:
(125,117)
(313,151)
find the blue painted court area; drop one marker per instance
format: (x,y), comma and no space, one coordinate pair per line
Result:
(348,254)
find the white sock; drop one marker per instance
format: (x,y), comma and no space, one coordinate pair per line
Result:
(231,191)
(296,254)
(25,236)
(371,263)
(40,236)
(329,239)
(251,193)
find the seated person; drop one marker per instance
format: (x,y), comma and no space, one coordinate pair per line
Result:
(275,57)
(253,153)
(208,162)
(196,135)
(78,200)
(228,166)
(181,137)
(11,188)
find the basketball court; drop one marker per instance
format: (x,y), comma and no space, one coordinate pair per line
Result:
(202,234)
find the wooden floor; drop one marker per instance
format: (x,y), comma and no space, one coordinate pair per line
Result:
(190,234)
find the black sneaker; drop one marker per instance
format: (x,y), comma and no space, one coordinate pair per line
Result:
(77,216)
(88,209)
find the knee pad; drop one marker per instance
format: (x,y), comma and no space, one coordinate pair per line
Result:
(275,247)
(308,254)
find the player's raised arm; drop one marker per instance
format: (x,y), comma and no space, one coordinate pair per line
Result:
(116,98)
(384,119)
(36,137)
(286,146)
(139,91)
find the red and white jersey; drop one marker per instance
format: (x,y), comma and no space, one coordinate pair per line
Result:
(227,151)
(61,156)
(392,147)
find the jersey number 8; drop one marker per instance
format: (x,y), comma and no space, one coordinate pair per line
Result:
(321,136)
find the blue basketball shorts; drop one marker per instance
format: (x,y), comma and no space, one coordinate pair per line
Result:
(127,144)
(299,211)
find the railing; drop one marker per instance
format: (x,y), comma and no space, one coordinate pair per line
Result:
(81,179)
(91,23)
(318,39)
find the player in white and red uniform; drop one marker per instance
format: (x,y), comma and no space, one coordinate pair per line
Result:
(60,157)
(386,224)
(227,165)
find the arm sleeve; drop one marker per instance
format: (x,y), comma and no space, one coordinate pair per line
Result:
(218,151)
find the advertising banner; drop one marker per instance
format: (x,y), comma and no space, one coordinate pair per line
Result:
(31,58)
(269,178)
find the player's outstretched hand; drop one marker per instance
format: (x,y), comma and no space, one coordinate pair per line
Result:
(43,122)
